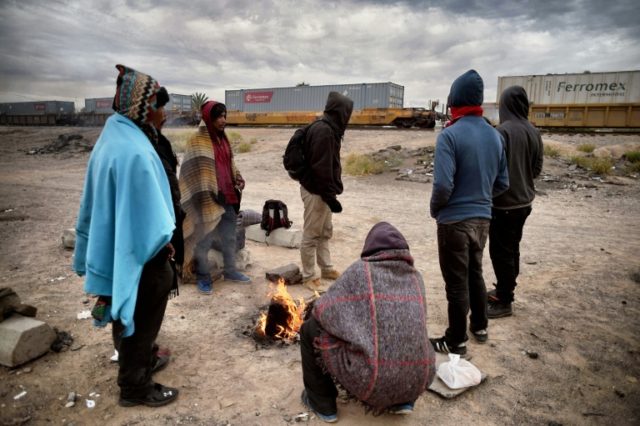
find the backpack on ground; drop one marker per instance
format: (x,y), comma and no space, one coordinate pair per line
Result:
(293,159)
(274,215)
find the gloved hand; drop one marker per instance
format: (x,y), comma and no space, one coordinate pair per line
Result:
(334,205)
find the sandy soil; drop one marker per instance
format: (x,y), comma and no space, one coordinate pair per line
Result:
(578,302)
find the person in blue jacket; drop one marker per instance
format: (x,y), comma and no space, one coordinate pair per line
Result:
(125,224)
(470,168)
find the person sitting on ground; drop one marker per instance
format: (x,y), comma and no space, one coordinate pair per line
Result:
(368,332)
(211,188)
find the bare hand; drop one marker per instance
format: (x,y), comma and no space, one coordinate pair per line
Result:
(172,251)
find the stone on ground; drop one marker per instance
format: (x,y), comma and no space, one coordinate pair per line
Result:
(23,339)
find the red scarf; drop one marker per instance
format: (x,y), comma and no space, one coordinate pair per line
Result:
(222,154)
(459,112)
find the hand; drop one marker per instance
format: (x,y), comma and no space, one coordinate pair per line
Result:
(334,205)
(240,183)
(171,251)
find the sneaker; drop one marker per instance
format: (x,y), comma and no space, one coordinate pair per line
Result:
(481,336)
(327,418)
(406,408)
(236,277)
(441,345)
(205,286)
(157,396)
(330,274)
(499,310)
(492,295)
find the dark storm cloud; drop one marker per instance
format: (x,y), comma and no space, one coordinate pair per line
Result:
(68,49)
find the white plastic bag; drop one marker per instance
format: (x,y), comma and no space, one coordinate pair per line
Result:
(458,373)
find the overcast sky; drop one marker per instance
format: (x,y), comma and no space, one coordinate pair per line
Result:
(67,49)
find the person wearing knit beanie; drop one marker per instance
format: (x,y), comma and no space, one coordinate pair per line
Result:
(124,230)
(469,170)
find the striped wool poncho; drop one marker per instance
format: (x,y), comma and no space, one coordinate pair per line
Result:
(199,189)
(375,341)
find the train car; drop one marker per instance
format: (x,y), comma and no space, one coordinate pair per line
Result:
(398,117)
(587,100)
(40,113)
(306,98)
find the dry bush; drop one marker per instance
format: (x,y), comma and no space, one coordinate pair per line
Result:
(361,165)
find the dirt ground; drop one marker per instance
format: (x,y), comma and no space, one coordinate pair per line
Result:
(577,307)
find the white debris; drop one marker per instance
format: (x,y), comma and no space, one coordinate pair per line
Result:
(84,315)
(20,395)
(91,403)
(114,357)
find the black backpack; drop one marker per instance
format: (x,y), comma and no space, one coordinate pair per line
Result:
(293,159)
(274,215)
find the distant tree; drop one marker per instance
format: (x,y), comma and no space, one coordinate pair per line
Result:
(302,84)
(197,100)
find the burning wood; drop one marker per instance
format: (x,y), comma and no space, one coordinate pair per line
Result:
(284,317)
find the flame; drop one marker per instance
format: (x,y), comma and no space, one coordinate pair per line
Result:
(278,294)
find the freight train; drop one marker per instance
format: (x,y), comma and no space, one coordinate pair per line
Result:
(558,101)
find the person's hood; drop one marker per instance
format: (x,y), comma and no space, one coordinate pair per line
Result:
(211,110)
(467,90)
(338,110)
(383,236)
(136,94)
(514,104)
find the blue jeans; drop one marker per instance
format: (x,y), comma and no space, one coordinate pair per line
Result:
(222,237)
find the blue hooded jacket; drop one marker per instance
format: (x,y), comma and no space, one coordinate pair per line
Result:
(470,166)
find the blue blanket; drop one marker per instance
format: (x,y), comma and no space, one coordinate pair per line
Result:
(126,216)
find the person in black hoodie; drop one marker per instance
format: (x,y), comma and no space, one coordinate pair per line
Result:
(510,210)
(320,186)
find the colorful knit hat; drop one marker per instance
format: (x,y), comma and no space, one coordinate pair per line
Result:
(134,94)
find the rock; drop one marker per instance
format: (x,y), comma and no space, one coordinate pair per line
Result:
(243,259)
(290,273)
(23,339)
(69,239)
(283,237)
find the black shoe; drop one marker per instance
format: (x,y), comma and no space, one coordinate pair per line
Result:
(158,396)
(499,310)
(481,336)
(492,295)
(441,345)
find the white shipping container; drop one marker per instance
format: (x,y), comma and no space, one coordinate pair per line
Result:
(577,89)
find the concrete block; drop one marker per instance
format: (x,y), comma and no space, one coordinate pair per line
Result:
(243,259)
(283,237)
(23,339)
(69,239)
(289,273)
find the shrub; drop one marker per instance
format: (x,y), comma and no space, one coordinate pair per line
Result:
(244,147)
(234,138)
(361,165)
(632,156)
(586,147)
(601,166)
(178,138)
(550,151)
(253,141)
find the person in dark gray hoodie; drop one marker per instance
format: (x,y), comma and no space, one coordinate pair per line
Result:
(470,168)
(523,146)
(320,186)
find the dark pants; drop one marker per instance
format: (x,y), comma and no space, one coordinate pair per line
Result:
(460,247)
(136,352)
(223,238)
(505,235)
(320,388)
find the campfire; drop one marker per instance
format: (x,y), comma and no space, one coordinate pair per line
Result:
(284,317)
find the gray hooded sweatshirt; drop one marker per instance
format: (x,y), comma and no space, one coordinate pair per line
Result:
(523,146)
